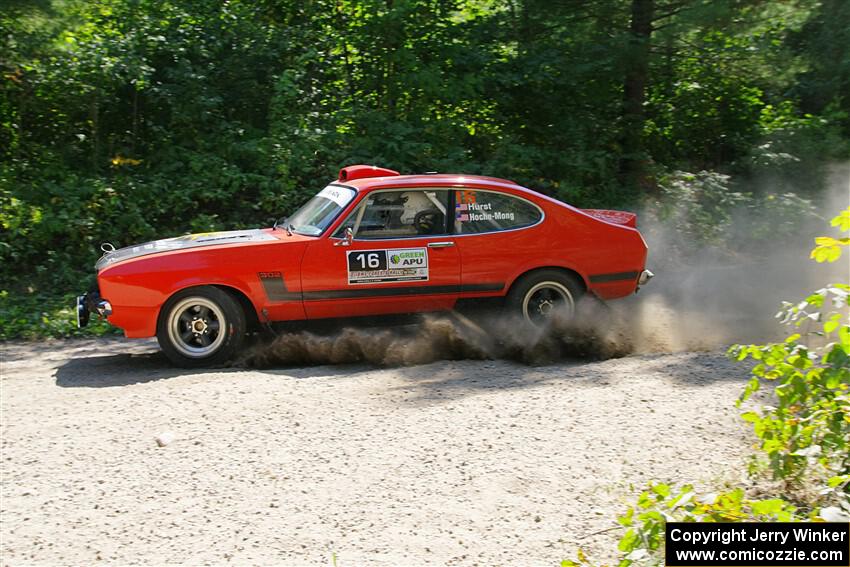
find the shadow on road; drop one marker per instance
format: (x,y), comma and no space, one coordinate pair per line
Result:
(697,368)
(118,370)
(445,380)
(437,380)
(127,369)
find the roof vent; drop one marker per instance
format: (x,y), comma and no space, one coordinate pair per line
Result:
(353,172)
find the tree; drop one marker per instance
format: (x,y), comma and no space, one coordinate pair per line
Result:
(635,82)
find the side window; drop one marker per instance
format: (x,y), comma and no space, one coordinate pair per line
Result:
(399,214)
(489,211)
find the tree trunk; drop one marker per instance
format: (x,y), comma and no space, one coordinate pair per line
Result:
(632,159)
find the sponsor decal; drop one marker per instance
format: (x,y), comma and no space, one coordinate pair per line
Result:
(339,195)
(469,209)
(465,196)
(203,235)
(470,212)
(385,266)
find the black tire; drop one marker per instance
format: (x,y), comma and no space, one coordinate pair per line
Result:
(539,295)
(200,327)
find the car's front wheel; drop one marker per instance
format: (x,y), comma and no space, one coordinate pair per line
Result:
(541,296)
(200,326)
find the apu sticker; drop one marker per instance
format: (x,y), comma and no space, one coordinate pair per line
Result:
(384,266)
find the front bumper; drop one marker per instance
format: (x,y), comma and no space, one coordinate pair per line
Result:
(91,303)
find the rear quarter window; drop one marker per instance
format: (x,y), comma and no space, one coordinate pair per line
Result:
(478,212)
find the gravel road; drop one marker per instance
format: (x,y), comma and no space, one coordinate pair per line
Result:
(451,463)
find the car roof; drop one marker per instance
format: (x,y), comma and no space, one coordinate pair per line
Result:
(432,180)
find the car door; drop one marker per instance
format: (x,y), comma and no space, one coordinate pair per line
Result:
(401,258)
(496,238)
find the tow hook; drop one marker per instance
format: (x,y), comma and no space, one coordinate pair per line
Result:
(103,308)
(88,303)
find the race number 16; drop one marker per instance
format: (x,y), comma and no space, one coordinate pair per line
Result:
(367,260)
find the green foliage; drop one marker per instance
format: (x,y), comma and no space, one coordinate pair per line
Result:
(828,249)
(810,424)
(32,316)
(824,42)
(807,432)
(698,206)
(643,539)
(793,149)
(705,209)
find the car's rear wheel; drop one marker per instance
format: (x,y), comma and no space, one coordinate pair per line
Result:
(544,295)
(200,326)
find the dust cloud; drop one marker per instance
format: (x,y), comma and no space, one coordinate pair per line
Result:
(712,297)
(706,299)
(593,334)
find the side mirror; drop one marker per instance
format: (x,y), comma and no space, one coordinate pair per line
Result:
(348,236)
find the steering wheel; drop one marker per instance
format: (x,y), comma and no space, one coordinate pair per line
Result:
(429,221)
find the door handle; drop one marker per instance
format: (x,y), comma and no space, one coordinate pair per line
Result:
(440,244)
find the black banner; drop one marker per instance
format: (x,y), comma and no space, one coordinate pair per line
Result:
(757,544)
(367,260)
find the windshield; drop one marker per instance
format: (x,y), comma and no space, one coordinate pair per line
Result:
(319,212)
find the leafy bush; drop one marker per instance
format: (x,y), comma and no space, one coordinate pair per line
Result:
(828,249)
(809,427)
(643,539)
(794,150)
(37,316)
(698,205)
(705,208)
(809,424)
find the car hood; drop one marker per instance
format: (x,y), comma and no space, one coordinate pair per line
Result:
(183,242)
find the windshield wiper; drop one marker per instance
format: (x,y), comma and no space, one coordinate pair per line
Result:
(281,222)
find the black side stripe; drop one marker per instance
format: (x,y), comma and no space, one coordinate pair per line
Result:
(275,287)
(402,291)
(388,292)
(619,276)
(286,296)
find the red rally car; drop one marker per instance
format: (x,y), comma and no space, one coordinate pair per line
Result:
(372,242)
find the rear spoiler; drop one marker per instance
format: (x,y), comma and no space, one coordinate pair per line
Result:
(614,217)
